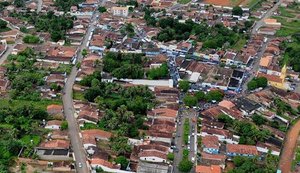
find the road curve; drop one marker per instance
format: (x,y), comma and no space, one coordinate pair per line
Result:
(289,147)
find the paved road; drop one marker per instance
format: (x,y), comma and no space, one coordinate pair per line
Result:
(268,14)
(76,142)
(39,5)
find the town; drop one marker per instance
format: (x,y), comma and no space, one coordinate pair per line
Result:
(162,86)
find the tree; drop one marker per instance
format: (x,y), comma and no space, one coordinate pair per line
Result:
(214,95)
(258,119)
(200,95)
(262,82)
(237,11)
(102,9)
(120,145)
(184,85)
(3,24)
(185,165)
(190,100)
(19,3)
(31,39)
(252,85)
(122,161)
(64,125)
(84,52)
(225,119)
(170,156)
(158,73)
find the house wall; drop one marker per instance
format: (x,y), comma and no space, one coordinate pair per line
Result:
(160,139)
(153,159)
(211,150)
(53,127)
(107,169)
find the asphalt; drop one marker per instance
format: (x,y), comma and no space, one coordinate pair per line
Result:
(79,152)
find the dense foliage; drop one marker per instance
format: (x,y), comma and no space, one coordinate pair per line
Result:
(18,126)
(184,85)
(124,65)
(65,5)
(55,25)
(244,164)
(292,53)
(257,83)
(211,36)
(248,132)
(237,10)
(185,165)
(190,100)
(31,39)
(24,77)
(158,73)
(125,108)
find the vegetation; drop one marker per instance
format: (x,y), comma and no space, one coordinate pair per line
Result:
(120,145)
(24,77)
(64,125)
(283,107)
(214,95)
(258,119)
(190,100)
(248,132)
(257,83)
(122,161)
(128,30)
(124,65)
(291,55)
(185,165)
(3,26)
(237,10)
(102,9)
(158,73)
(170,156)
(65,5)
(19,3)
(55,25)
(212,37)
(184,1)
(184,85)
(31,39)
(255,165)
(186,131)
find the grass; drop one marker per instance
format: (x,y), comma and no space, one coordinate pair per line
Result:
(288,27)
(40,104)
(88,126)
(186,130)
(285,13)
(64,68)
(239,44)
(183,1)
(5,29)
(252,4)
(27,140)
(78,96)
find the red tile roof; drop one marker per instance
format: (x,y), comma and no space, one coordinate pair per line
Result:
(208,169)
(56,144)
(241,149)
(210,142)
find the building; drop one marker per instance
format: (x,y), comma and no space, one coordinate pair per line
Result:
(208,169)
(120,11)
(210,144)
(54,150)
(53,125)
(277,81)
(241,150)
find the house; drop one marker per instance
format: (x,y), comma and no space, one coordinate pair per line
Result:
(248,107)
(53,125)
(241,150)
(120,11)
(88,116)
(163,113)
(272,23)
(56,78)
(153,156)
(213,159)
(208,169)
(144,167)
(97,43)
(54,150)
(222,134)
(277,81)
(210,144)
(61,54)
(55,110)
(106,166)
(91,136)
(154,135)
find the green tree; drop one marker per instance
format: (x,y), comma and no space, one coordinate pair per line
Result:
(214,95)
(258,119)
(64,125)
(185,165)
(237,11)
(262,82)
(19,3)
(122,161)
(158,73)
(190,100)
(102,9)
(170,156)
(84,52)
(31,39)
(184,85)
(200,95)
(252,85)
(3,24)
(120,145)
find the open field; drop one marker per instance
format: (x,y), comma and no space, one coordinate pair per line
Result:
(229,3)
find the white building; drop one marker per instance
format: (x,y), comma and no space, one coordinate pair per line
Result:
(120,11)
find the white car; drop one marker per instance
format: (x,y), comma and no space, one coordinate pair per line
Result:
(80,165)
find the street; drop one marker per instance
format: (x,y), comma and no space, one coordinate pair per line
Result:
(67,98)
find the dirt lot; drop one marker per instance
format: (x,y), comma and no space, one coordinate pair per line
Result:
(228,3)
